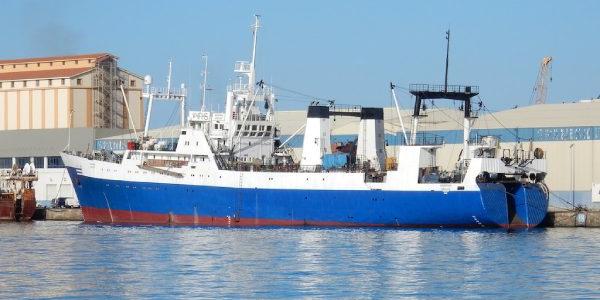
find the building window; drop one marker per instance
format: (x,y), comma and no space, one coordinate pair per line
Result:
(62,81)
(0,85)
(12,84)
(49,82)
(21,161)
(38,64)
(89,61)
(38,162)
(132,83)
(79,81)
(63,62)
(2,67)
(24,83)
(37,83)
(26,65)
(14,66)
(76,62)
(51,64)
(5,162)
(55,162)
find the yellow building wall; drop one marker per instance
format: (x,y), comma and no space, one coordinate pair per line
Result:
(3,112)
(63,108)
(47,103)
(49,109)
(12,110)
(23,110)
(36,109)
(80,108)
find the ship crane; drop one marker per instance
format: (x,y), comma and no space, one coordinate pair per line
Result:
(540,89)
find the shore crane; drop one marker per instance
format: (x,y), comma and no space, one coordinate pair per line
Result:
(540,89)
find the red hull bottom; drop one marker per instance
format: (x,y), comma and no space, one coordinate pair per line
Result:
(123,217)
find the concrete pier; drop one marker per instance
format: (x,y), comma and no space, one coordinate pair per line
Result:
(58,214)
(580,218)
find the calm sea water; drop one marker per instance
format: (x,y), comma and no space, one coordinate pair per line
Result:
(71,260)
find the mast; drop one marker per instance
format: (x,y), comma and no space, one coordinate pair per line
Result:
(203,106)
(150,96)
(392,88)
(169,77)
(252,75)
(447,57)
(167,93)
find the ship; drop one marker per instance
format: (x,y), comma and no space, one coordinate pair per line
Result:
(17,196)
(231,168)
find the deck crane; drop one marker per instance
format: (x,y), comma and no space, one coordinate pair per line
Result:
(540,90)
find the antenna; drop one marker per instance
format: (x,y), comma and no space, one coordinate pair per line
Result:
(169,76)
(205,57)
(447,58)
(252,75)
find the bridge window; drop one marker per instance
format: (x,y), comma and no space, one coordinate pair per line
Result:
(21,161)
(5,162)
(38,162)
(55,162)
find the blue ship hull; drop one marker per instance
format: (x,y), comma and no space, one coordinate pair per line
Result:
(128,202)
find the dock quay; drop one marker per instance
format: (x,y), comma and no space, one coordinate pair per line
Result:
(572,218)
(57,214)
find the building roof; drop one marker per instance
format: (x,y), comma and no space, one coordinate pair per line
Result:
(42,74)
(56,58)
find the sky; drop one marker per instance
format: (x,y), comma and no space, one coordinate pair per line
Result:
(348,50)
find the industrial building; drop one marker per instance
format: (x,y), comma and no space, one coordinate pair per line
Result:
(50,103)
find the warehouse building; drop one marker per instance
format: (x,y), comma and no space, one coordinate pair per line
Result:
(49,103)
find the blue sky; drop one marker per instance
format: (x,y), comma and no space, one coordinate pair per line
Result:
(344,50)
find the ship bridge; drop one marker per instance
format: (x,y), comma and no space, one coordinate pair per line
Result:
(439,91)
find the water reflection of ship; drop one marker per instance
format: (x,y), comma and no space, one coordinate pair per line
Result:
(17,196)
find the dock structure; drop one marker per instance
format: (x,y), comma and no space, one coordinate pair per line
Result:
(58,214)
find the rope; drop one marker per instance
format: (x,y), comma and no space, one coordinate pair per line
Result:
(496,119)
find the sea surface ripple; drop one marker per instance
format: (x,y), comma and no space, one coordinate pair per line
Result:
(72,260)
